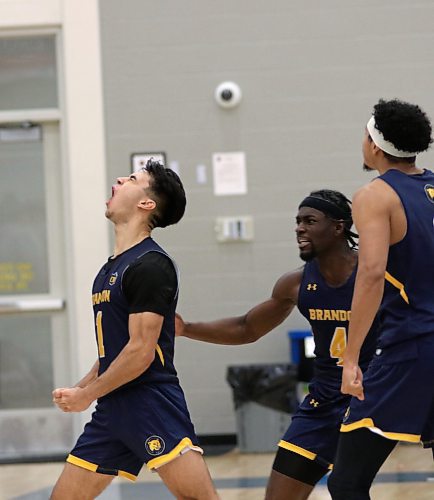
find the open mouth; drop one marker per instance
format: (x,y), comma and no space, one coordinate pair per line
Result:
(111,197)
(303,244)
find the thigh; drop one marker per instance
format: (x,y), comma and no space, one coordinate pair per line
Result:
(314,429)
(99,450)
(293,476)
(398,402)
(360,455)
(156,425)
(187,477)
(76,483)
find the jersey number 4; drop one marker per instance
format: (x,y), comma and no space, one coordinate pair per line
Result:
(338,344)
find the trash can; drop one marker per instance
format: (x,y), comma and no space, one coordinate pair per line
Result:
(264,398)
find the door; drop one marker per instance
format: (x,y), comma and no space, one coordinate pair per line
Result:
(33,315)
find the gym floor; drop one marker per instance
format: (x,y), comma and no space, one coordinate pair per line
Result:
(407,474)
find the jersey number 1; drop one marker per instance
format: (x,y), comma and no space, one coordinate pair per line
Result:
(338,344)
(99,334)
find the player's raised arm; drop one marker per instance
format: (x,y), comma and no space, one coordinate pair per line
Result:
(255,323)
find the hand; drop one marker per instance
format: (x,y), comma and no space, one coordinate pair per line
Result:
(179,325)
(72,399)
(352,380)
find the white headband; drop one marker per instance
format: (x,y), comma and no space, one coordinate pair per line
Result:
(384,145)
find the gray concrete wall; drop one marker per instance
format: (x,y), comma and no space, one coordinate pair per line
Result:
(310,73)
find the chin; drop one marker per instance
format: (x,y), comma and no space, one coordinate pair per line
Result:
(367,168)
(307,257)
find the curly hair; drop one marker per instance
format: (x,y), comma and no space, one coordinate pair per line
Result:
(167,189)
(405,125)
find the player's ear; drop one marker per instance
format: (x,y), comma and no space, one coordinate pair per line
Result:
(340,227)
(147,204)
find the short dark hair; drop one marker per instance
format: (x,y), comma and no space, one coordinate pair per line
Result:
(343,204)
(405,125)
(168,192)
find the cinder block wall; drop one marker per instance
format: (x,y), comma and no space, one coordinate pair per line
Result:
(310,73)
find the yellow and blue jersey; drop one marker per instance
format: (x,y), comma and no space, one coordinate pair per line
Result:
(147,419)
(407,309)
(399,404)
(112,309)
(328,310)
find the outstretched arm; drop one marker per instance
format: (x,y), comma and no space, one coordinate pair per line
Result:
(371,213)
(256,323)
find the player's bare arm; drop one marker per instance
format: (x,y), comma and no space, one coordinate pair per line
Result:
(371,213)
(248,328)
(132,361)
(86,380)
(89,377)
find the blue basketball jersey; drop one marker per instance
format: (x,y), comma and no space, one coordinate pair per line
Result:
(328,310)
(407,309)
(111,311)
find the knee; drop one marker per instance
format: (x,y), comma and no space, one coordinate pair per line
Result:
(346,488)
(337,487)
(334,487)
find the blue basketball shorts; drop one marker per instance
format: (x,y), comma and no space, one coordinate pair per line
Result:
(136,425)
(399,393)
(314,429)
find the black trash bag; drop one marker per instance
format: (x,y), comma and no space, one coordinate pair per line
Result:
(273,386)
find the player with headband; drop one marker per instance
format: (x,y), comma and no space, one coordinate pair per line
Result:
(394,214)
(322,290)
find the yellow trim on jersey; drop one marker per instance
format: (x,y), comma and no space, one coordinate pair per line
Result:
(297,449)
(84,464)
(164,459)
(369,423)
(127,475)
(160,353)
(397,284)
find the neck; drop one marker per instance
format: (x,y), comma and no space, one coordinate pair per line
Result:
(405,168)
(336,266)
(126,237)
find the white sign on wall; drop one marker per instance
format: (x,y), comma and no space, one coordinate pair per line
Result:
(139,160)
(229,173)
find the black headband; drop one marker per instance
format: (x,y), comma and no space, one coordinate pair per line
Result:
(325,206)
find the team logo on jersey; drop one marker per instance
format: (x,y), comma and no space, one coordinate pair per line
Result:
(312,286)
(429,191)
(155,445)
(113,279)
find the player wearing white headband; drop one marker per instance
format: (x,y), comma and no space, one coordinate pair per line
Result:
(322,291)
(394,215)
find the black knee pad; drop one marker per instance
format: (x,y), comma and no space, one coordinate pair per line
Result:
(298,467)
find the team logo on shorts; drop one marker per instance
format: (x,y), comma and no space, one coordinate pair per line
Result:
(155,445)
(429,191)
(113,279)
(347,415)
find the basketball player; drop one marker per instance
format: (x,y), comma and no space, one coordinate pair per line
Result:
(141,415)
(394,215)
(322,290)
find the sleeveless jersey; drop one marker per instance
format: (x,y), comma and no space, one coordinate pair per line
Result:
(111,311)
(407,308)
(328,311)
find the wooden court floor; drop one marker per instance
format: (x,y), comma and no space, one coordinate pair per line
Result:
(408,474)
